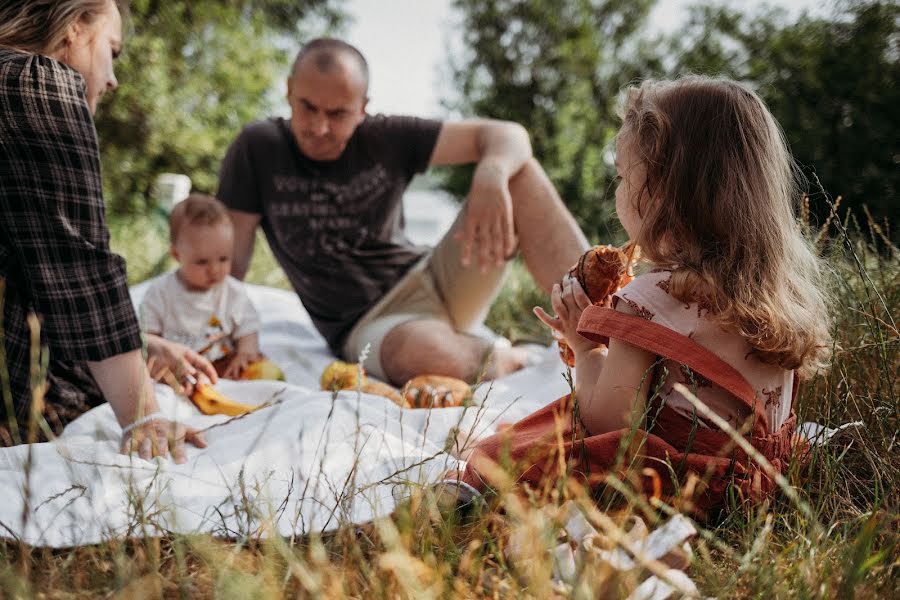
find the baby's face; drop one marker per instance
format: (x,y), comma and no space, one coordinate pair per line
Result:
(204,252)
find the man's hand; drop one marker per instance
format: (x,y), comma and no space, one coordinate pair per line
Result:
(159,437)
(168,360)
(489,218)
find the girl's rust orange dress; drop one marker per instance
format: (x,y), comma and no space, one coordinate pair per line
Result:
(670,444)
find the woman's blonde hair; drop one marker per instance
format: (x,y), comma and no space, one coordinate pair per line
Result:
(718,207)
(40,26)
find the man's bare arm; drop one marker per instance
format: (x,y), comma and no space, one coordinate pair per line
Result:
(245,225)
(501,149)
(504,143)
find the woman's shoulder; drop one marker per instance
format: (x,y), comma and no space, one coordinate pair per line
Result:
(24,67)
(42,95)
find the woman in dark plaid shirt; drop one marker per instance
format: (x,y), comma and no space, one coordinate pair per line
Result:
(56,61)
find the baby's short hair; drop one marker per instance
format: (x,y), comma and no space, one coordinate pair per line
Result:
(196,209)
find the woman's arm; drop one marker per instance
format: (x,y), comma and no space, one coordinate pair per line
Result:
(126,385)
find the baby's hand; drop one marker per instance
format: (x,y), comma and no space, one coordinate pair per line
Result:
(239,363)
(568,301)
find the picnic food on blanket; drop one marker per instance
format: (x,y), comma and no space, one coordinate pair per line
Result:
(262,369)
(211,402)
(424,391)
(341,375)
(435,391)
(601,271)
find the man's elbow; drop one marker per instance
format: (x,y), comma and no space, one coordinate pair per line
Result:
(518,134)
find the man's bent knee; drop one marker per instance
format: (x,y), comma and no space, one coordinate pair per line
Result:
(430,347)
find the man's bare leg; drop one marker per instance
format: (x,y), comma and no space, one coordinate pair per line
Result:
(550,241)
(432,347)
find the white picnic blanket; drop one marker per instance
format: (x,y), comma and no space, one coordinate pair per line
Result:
(308,462)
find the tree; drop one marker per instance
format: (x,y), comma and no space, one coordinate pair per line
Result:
(557,68)
(830,82)
(193,72)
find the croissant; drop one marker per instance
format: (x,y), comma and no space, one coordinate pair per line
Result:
(435,391)
(601,271)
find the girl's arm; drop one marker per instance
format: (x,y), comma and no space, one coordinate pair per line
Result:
(611,385)
(620,388)
(569,300)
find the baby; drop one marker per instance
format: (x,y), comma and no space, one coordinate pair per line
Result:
(200,304)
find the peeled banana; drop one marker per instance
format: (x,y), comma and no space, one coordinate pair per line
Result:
(211,402)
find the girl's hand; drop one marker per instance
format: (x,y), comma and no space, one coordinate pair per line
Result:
(568,301)
(159,437)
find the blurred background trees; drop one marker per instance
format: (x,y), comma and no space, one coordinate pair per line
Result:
(559,68)
(832,83)
(194,72)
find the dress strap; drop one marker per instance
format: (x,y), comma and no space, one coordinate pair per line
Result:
(599,324)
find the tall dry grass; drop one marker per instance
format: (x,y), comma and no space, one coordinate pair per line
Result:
(834,535)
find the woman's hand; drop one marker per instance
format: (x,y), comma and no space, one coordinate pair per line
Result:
(568,301)
(166,357)
(159,437)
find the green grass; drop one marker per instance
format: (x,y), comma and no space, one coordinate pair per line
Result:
(846,545)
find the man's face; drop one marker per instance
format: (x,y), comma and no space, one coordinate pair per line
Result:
(326,108)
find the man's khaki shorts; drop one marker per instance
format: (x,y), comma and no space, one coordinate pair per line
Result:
(437,287)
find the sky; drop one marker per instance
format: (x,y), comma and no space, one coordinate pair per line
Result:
(406,41)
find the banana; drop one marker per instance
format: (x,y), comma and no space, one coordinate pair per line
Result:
(211,402)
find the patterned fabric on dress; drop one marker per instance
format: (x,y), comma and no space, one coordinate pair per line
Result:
(648,296)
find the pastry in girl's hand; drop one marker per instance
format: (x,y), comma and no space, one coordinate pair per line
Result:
(601,271)
(436,391)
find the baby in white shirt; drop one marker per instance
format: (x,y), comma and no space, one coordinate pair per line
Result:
(200,304)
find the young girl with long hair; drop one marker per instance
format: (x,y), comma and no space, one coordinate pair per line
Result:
(731,307)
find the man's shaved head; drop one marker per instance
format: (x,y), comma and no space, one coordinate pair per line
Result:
(326,54)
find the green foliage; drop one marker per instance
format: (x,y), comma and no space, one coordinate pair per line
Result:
(830,82)
(547,65)
(559,68)
(193,72)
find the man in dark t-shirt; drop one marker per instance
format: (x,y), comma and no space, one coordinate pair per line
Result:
(326,186)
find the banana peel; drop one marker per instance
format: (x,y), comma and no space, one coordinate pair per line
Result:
(211,402)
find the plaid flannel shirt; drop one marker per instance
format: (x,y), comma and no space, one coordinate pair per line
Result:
(55,259)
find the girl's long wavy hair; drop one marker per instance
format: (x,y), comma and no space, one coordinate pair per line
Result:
(40,26)
(718,206)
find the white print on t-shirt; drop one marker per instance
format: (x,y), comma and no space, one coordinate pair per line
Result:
(322,215)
